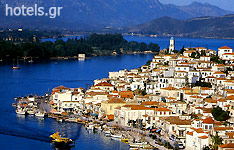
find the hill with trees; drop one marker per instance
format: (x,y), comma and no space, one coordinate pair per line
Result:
(93,45)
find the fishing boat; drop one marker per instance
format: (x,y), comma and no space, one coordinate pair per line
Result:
(40,114)
(61,142)
(20,112)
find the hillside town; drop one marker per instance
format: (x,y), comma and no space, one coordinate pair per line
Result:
(185,96)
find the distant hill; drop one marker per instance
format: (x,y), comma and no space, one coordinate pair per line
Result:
(206,27)
(96,14)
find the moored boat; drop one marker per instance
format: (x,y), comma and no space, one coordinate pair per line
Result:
(31,112)
(20,112)
(61,142)
(139,144)
(14,105)
(116,136)
(40,114)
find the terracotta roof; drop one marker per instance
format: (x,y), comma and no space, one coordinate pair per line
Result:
(198,130)
(231,97)
(152,103)
(62,88)
(230,134)
(205,88)
(222,128)
(169,88)
(162,109)
(190,133)
(140,107)
(225,47)
(116,100)
(170,98)
(176,120)
(110,117)
(203,137)
(219,72)
(104,84)
(220,65)
(55,91)
(230,145)
(186,88)
(208,120)
(222,100)
(126,94)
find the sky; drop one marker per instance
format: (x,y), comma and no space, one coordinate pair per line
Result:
(224,4)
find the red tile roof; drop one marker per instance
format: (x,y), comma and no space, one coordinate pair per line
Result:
(116,100)
(126,94)
(208,120)
(104,84)
(110,117)
(230,145)
(203,137)
(225,47)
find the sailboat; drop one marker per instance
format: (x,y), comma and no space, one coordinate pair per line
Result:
(17,65)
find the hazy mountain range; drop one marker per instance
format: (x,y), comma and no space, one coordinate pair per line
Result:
(208,27)
(96,14)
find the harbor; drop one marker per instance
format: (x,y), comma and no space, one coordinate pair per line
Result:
(40,107)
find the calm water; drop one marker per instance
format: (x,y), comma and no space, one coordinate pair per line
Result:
(39,77)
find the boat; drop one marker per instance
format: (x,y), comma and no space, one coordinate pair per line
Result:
(107,133)
(13,104)
(17,65)
(40,114)
(139,145)
(116,136)
(59,119)
(99,128)
(61,142)
(125,140)
(20,112)
(31,112)
(90,127)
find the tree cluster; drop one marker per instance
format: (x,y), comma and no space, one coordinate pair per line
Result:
(91,45)
(220,114)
